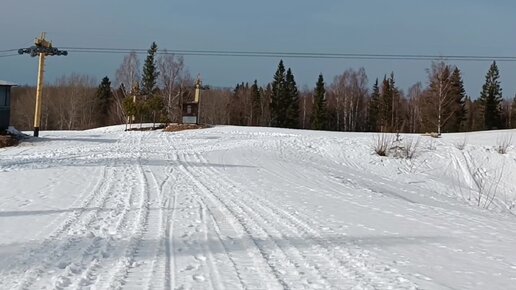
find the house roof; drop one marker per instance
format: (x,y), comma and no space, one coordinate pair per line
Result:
(6,83)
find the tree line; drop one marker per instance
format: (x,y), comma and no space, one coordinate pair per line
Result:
(345,104)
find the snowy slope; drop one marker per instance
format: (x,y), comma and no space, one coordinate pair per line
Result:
(254,208)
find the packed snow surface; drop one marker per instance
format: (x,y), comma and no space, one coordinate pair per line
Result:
(255,208)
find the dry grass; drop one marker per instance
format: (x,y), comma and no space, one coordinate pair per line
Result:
(411,147)
(503,143)
(381,144)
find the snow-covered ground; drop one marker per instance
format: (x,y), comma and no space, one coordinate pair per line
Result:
(255,208)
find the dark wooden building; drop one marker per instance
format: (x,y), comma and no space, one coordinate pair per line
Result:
(5,104)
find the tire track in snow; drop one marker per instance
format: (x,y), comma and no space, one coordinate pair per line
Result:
(288,264)
(60,241)
(140,223)
(241,239)
(95,260)
(327,256)
(442,219)
(95,246)
(196,261)
(146,263)
(169,230)
(161,259)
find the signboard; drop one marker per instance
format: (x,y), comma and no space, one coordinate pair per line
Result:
(189,119)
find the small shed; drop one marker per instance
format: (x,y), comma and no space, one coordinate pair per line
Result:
(190,113)
(5,104)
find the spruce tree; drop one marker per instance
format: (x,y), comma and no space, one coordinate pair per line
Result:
(150,72)
(267,105)
(155,106)
(385,109)
(491,99)
(103,102)
(292,101)
(236,105)
(457,122)
(395,98)
(256,107)
(373,110)
(278,99)
(320,112)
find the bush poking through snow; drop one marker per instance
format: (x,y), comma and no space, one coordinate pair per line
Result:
(462,145)
(381,144)
(503,144)
(385,145)
(430,145)
(485,185)
(410,147)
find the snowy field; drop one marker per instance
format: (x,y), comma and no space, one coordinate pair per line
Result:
(255,208)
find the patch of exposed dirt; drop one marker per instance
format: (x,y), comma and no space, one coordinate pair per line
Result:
(8,140)
(180,127)
(157,127)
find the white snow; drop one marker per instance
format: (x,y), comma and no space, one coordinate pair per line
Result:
(255,208)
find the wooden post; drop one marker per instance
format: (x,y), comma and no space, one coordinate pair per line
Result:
(39,94)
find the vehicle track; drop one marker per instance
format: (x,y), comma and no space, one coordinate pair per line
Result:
(60,241)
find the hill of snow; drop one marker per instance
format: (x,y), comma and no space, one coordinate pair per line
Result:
(256,208)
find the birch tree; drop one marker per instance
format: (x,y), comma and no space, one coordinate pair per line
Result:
(172,81)
(128,74)
(440,95)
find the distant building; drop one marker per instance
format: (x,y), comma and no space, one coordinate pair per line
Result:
(5,104)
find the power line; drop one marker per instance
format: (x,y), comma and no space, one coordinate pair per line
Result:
(316,55)
(283,54)
(9,55)
(8,50)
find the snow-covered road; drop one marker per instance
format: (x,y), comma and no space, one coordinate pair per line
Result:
(245,208)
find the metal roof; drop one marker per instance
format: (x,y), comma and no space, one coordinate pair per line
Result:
(6,83)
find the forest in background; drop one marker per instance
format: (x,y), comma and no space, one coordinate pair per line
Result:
(156,91)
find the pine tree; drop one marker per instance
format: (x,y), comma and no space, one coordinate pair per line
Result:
(459,102)
(491,99)
(103,102)
(292,101)
(278,102)
(256,107)
(150,72)
(373,110)
(320,112)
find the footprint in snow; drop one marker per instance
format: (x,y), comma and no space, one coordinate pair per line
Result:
(199,278)
(188,268)
(200,258)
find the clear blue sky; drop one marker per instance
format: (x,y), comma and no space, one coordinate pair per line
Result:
(439,27)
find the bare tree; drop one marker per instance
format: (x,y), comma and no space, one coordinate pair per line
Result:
(414,108)
(439,97)
(349,91)
(172,80)
(214,106)
(128,74)
(71,105)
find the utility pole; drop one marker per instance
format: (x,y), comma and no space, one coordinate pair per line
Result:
(42,49)
(198,88)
